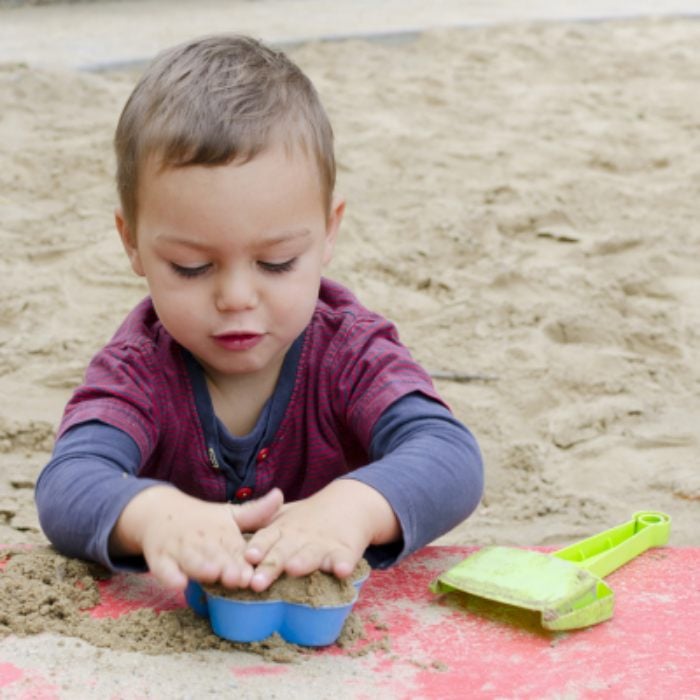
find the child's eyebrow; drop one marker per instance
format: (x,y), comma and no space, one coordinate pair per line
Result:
(264,242)
(189,242)
(284,236)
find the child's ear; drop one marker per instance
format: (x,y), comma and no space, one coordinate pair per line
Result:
(128,241)
(336,216)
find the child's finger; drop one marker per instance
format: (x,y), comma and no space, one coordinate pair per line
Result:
(261,543)
(306,559)
(339,561)
(258,513)
(237,574)
(167,571)
(216,559)
(342,562)
(273,563)
(202,559)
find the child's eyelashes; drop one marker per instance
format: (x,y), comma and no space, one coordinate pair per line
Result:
(190,271)
(198,270)
(285,266)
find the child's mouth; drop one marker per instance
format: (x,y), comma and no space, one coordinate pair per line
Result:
(238,341)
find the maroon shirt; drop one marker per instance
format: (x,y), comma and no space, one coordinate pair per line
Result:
(352,368)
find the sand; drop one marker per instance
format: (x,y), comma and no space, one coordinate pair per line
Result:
(315,590)
(44,592)
(522,202)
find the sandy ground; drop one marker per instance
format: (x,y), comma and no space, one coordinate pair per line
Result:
(522,201)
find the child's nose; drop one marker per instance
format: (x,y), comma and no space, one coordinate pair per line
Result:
(236,291)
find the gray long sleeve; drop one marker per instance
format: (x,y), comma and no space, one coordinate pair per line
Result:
(423,461)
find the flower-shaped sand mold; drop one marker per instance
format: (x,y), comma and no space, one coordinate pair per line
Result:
(255,620)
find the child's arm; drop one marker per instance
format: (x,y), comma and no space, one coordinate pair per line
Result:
(80,493)
(426,476)
(92,505)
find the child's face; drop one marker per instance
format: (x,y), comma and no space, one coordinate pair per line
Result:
(233,256)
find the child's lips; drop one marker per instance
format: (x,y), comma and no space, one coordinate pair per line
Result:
(243,340)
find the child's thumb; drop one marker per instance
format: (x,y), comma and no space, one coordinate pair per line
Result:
(258,513)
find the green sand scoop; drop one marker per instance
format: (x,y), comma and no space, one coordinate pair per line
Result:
(566,586)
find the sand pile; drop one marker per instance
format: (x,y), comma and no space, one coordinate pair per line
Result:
(317,589)
(44,592)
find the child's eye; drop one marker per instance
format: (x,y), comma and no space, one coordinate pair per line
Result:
(278,267)
(190,271)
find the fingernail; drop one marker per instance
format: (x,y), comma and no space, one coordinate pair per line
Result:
(259,581)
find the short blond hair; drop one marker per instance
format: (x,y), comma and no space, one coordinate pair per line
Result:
(215,100)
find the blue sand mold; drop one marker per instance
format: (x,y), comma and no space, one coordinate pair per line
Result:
(252,621)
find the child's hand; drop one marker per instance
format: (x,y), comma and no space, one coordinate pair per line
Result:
(328,531)
(183,537)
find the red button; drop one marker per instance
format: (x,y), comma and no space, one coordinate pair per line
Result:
(243,493)
(262,455)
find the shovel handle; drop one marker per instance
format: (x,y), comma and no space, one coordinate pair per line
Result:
(609,550)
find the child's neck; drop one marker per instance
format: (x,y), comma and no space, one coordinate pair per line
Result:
(238,400)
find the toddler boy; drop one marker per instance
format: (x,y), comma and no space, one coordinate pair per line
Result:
(245,377)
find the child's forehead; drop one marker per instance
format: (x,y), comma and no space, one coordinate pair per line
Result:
(269,191)
(278,156)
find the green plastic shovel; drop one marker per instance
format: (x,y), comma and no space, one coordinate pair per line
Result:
(566,586)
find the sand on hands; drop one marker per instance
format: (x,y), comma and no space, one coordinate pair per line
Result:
(316,589)
(522,201)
